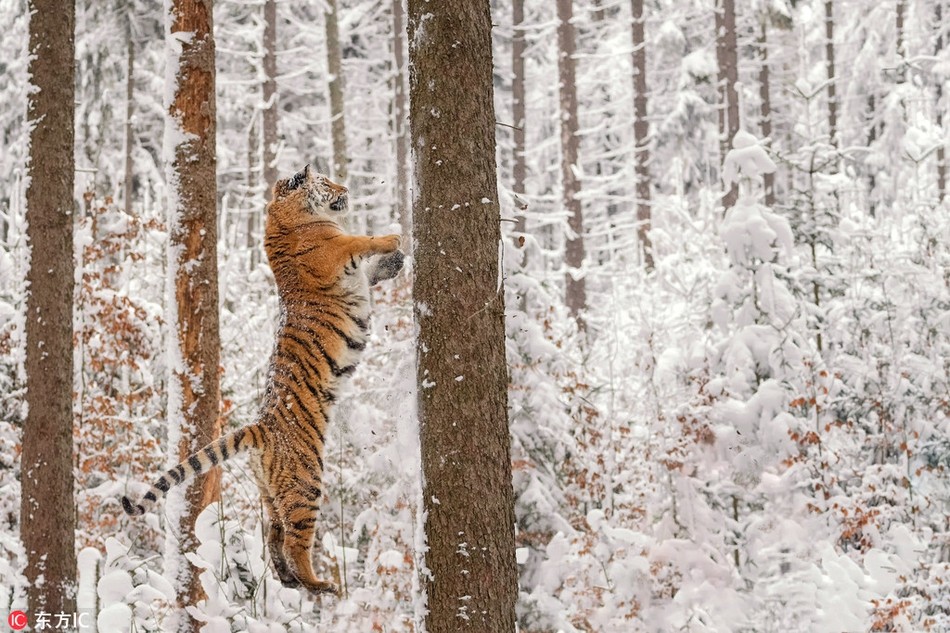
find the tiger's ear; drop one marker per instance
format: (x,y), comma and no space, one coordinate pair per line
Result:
(299,178)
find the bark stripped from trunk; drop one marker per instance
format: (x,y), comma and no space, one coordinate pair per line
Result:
(47,506)
(470,576)
(193,304)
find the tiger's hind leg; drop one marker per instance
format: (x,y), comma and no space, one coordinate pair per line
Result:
(299,511)
(275,545)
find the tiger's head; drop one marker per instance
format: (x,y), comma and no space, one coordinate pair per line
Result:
(322,195)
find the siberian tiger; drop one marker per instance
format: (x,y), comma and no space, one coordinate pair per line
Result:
(324,307)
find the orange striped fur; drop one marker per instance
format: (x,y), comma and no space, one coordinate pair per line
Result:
(324,300)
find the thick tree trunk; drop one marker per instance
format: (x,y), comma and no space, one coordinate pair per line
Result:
(269,119)
(575,294)
(830,65)
(519,170)
(337,105)
(47,507)
(641,134)
(403,208)
(193,302)
(471,579)
(129,112)
(727,57)
(765,97)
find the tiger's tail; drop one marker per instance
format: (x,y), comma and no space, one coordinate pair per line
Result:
(200,462)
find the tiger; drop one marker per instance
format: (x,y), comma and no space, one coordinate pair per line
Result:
(323,293)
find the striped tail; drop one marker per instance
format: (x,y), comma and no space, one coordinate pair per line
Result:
(204,460)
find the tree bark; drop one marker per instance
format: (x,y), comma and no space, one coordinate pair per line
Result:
(337,105)
(641,134)
(193,303)
(519,171)
(830,64)
(727,57)
(942,148)
(269,118)
(765,97)
(403,208)
(47,506)
(129,113)
(470,576)
(575,293)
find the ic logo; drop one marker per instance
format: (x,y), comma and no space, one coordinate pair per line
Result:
(18,620)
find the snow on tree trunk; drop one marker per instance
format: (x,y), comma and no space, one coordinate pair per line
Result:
(403,208)
(727,57)
(270,96)
(192,301)
(575,293)
(641,134)
(47,505)
(470,575)
(337,105)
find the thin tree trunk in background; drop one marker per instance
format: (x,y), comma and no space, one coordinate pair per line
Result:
(468,499)
(641,134)
(403,208)
(252,237)
(830,65)
(899,32)
(727,57)
(337,105)
(193,304)
(519,171)
(942,148)
(129,112)
(47,505)
(765,98)
(269,118)
(575,294)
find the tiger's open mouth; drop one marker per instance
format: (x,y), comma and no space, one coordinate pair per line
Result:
(340,204)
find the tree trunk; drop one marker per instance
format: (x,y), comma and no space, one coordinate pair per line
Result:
(519,171)
(129,112)
(641,134)
(471,582)
(269,119)
(942,148)
(727,57)
(403,210)
(193,304)
(337,106)
(575,294)
(830,64)
(765,96)
(252,237)
(47,506)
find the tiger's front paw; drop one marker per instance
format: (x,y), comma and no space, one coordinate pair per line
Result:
(387,267)
(389,243)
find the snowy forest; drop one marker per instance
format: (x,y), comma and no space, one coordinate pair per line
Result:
(722,235)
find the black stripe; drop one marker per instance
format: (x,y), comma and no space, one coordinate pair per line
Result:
(150,496)
(212,455)
(181,471)
(195,463)
(303,524)
(175,474)
(162,484)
